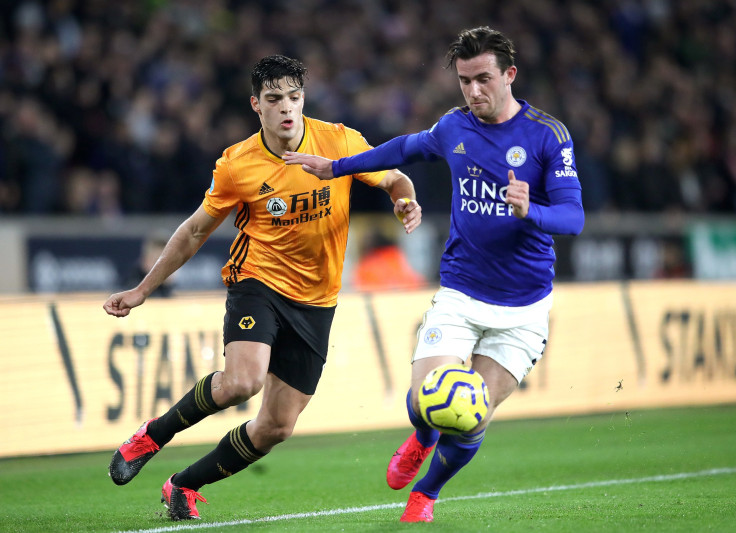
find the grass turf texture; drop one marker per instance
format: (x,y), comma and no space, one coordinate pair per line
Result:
(336,472)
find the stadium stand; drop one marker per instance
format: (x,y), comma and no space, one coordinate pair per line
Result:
(122,107)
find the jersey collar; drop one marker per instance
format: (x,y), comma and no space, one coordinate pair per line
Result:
(274,157)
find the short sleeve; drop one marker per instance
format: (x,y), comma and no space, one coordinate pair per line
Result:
(221,197)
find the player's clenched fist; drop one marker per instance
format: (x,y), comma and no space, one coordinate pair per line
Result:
(120,303)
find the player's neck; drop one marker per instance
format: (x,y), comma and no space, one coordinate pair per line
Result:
(512,108)
(509,111)
(278,145)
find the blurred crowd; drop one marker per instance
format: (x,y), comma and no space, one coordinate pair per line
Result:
(123,107)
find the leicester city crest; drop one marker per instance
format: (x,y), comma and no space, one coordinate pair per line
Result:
(432,336)
(516,156)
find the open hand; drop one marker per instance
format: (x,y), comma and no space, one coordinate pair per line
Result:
(314,164)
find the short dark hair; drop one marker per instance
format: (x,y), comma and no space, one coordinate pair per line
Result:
(269,70)
(477,41)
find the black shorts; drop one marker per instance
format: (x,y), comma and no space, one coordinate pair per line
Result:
(297,333)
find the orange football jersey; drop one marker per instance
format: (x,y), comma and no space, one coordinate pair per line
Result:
(292,226)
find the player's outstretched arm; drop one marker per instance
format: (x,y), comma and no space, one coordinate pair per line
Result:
(391,154)
(182,245)
(314,164)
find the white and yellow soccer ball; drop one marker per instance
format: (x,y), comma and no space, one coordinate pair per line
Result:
(453,398)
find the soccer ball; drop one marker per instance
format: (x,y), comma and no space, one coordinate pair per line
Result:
(453,398)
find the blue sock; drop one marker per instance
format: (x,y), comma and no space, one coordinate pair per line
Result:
(453,452)
(425,435)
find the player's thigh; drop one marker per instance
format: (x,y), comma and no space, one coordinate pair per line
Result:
(250,327)
(244,359)
(516,349)
(499,381)
(250,313)
(446,328)
(445,336)
(299,354)
(246,364)
(295,335)
(421,367)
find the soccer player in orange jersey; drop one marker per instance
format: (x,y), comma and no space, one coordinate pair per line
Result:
(283,277)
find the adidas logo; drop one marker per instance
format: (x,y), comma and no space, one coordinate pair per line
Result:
(459,149)
(265,189)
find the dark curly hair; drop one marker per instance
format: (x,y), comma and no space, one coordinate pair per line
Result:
(269,70)
(472,43)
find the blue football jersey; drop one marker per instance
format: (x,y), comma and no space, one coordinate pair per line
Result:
(490,254)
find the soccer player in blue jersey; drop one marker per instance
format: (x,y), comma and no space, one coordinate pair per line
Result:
(514,185)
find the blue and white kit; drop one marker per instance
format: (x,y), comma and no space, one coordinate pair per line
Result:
(490,254)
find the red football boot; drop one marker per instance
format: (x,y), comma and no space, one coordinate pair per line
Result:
(132,455)
(419,508)
(406,462)
(180,501)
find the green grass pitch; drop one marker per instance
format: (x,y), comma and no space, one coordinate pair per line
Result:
(670,470)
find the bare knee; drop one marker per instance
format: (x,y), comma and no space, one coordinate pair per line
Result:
(265,436)
(279,433)
(235,389)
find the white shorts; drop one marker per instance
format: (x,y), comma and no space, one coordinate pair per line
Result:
(461,326)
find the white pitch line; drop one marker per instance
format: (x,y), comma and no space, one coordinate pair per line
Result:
(479,496)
